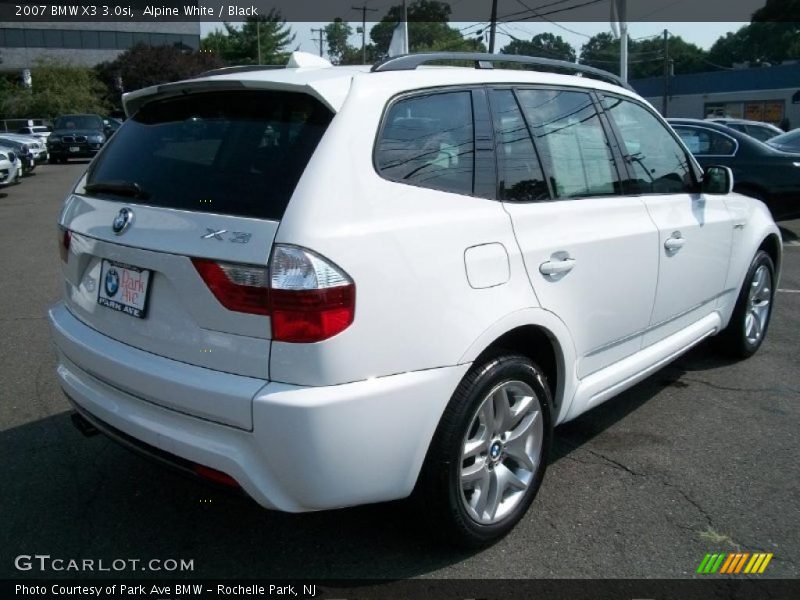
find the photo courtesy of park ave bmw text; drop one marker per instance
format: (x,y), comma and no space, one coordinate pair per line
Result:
(400,299)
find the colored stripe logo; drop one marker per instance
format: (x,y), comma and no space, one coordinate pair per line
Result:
(735,563)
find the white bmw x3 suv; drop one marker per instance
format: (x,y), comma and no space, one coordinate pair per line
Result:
(331,286)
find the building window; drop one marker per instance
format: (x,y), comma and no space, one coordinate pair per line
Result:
(53,38)
(15,38)
(108,39)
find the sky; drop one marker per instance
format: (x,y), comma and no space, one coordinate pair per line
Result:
(702,34)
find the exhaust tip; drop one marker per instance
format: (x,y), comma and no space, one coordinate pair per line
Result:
(83,425)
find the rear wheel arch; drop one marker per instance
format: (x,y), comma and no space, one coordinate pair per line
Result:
(542,347)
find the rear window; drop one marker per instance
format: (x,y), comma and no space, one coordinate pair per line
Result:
(233,153)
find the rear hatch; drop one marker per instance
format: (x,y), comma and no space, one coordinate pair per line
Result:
(190,183)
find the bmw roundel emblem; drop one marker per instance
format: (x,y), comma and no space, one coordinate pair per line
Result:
(122,220)
(112,282)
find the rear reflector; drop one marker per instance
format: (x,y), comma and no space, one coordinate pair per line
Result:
(308,298)
(210,474)
(65,239)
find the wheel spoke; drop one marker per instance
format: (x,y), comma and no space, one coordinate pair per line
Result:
(487,496)
(475,472)
(502,409)
(487,414)
(507,479)
(757,328)
(473,447)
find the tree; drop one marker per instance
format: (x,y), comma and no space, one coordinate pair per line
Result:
(601,52)
(143,66)
(336,34)
(545,45)
(646,57)
(428,29)
(268,33)
(57,88)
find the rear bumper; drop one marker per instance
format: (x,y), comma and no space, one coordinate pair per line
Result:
(309,448)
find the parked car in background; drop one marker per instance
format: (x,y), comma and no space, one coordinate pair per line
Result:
(23,151)
(787,142)
(38,131)
(544,255)
(760,170)
(76,136)
(37,146)
(757,129)
(9,167)
(111,125)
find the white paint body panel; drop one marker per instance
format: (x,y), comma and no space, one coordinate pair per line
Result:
(439,277)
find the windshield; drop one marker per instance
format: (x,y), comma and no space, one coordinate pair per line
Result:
(79,122)
(235,153)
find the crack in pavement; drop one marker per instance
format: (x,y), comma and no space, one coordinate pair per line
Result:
(724,388)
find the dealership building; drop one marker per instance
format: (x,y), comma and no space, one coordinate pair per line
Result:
(86,44)
(767,94)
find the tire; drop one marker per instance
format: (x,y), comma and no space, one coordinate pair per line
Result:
(459,510)
(52,160)
(751,316)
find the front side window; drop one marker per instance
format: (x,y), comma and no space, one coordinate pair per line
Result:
(520,174)
(705,142)
(428,141)
(658,163)
(571,141)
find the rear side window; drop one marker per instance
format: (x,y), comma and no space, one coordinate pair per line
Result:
(659,164)
(520,174)
(571,141)
(428,141)
(233,153)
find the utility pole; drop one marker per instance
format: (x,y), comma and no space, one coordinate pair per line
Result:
(664,106)
(364,10)
(493,27)
(258,38)
(321,38)
(406,47)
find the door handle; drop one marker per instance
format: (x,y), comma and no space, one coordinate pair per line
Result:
(674,243)
(552,268)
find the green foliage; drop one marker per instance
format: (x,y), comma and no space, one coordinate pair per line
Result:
(428,29)
(241,46)
(544,45)
(336,34)
(57,88)
(143,66)
(646,56)
(759,42)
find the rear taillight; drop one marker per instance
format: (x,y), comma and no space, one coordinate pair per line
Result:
(215,476)
(242,288)
(308,298)
(64,241)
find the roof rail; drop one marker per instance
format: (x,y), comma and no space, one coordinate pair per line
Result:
(409,62)
(238,69)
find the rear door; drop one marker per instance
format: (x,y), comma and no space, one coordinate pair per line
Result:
(589,251)
(171,228)
(695,229)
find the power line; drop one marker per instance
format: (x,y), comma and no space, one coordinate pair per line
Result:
(545,14)
(551,21)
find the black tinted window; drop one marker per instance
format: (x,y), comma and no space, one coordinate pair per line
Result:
(520,174)
(428,141)
(658,162)
(236,153)
(571,141)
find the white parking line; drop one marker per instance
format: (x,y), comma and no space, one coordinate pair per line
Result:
(790,291)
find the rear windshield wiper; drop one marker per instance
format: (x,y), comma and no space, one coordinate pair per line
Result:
(118,188)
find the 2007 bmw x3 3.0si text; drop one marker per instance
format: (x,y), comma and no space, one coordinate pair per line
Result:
(333,286)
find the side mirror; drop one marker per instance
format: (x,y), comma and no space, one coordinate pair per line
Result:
(718,180)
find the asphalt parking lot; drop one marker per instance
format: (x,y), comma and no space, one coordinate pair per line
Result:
(702,457)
